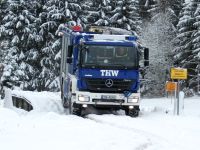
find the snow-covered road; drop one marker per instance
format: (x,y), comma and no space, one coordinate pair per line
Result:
(52,130)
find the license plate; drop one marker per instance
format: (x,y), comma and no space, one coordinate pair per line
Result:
(108,97)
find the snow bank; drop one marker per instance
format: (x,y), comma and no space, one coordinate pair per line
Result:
(41,101)
(154,129)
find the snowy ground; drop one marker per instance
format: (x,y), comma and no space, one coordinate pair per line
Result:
(48,127)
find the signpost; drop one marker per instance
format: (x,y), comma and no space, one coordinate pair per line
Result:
(171,86)
(178,74)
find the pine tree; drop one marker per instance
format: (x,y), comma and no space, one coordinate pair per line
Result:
(95,12)
(184,42)
(144,7)
(3,5)
(3,42)
(103,10)
(158,36)
(171,8)
(77,12)
(195,54)
(126,15)
(18,29)
(53,14)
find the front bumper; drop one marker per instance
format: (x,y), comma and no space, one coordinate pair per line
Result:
(105,99)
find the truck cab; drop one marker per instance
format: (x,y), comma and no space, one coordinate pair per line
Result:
(100,70)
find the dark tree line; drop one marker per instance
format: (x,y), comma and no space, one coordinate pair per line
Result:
(30,46)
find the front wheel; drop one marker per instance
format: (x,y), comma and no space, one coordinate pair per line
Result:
(77,111)
(74,110)
(132,112)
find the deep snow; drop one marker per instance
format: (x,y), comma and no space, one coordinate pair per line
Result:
(48,127)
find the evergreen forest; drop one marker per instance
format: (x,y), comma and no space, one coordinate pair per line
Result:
(30,48)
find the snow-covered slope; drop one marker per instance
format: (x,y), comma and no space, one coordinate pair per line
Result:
(41,101)
(155,129)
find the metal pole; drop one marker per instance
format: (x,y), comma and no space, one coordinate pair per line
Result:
(175,101)
(178,101)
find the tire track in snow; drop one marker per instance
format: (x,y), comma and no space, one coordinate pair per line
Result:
(152,138)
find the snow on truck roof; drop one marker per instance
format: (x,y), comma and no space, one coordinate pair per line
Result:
(106,34)
(110,30)
(111,33)
(114,37)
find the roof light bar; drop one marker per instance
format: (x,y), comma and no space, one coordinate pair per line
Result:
(77,28)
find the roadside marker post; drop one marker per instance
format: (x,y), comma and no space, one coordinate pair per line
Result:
(171,87)
(178,74)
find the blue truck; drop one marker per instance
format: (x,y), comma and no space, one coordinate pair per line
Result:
(100,69)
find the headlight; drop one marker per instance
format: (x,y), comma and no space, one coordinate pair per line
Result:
(134,99)
(83,98)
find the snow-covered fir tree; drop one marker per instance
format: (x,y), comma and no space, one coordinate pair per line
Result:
(158,35)
(17,29)
(144,7)
(126,15)
(171,8)
(196,49)
(3,43)
(183,53)
(103,10)
(3,5)
(97,12)
(51,16)
(76,12)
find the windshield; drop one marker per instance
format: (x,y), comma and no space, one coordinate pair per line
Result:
(109,56)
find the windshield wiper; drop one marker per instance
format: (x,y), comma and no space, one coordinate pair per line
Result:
(121,65)
(93,65)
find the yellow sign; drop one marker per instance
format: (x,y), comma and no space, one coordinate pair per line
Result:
(171,86)
(178,73)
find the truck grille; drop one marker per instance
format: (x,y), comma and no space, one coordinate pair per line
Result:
(108,85)
(109,100)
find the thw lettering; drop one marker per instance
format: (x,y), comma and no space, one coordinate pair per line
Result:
(109,73)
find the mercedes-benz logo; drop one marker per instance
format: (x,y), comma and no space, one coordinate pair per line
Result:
(109,82)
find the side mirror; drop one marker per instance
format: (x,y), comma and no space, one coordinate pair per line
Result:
(69,60)
(146,57)
(69,54)
(70,51)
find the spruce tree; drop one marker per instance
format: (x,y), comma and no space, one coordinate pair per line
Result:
(184,42)
(3,5)
(195,54)
(75,12)
(18,29)
(93,12)
(144,9)
(52,15)
(158,36)
(103,10)
(171,8)
(3,42)
(126,15)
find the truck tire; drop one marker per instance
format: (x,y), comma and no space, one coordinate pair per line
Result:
(73,110)
(77,111)
(132,112)
(65,102)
